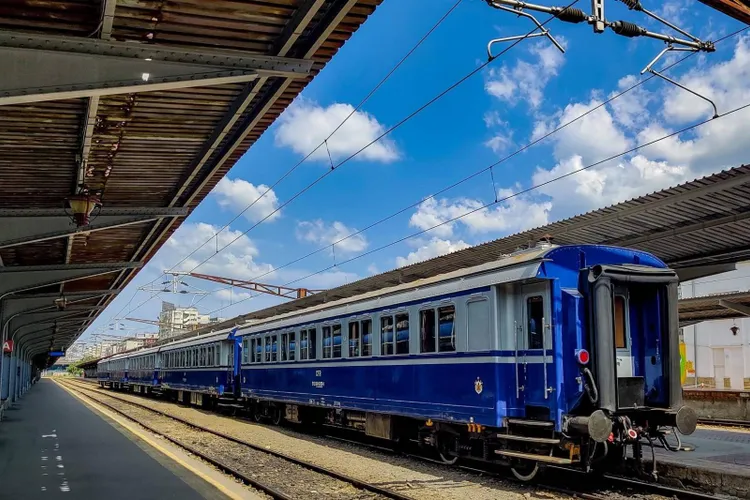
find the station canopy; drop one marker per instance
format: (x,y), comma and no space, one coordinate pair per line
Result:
(699,228)
(117,117)
(714,307)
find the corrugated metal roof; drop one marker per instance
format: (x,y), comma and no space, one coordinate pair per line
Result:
(702,222)
(712,307)
(164,148)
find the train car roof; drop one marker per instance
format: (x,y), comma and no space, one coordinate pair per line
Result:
(520,265)
(226,334)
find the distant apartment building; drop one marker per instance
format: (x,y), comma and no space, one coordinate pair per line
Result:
(175,320)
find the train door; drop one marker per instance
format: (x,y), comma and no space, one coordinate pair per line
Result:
(534,368)
(623,341)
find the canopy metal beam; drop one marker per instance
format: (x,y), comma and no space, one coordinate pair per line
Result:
(47,68)
(19,227)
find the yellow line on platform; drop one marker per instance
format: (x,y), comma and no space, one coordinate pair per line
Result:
(151,442)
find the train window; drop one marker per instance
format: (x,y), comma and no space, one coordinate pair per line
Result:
(386,335)
(427,330)
(274,348)
(620,324)
(336,340)
(292,346)
(217,355)
(313,346)
(402,333)
(307,344)
(355,340)
(258,349)
(303,344)
(327,341)
(534,320)
(366,337)
(267,348)
(446,329)
(284,353)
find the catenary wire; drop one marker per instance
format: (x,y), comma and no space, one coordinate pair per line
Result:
(518,193)
(465,179)
(351,113)
(381,136)
(489,167)
(356,153)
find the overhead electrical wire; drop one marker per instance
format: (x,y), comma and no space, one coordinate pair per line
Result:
(381,136)
(325,141)
(489,167)
(300,162)
(465,179)
(516,194)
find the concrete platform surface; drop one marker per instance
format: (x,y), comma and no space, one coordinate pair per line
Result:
(727,450)
(54,446)
(718,461)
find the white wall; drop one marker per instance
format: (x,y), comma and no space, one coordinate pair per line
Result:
(713,336)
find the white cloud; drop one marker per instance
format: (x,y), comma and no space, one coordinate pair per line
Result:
(433,248)
(515,214)
(593,137)
(606,184)
(319,232)
(238,194)
(236,261)
(630,109)
(305,124)
(373,269)
(526,80)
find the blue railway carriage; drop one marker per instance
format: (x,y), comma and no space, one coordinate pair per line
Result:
(201,369)
(143,370)
(112,372)
(555,354)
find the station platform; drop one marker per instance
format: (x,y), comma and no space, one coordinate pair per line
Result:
(717,460)
(54,446)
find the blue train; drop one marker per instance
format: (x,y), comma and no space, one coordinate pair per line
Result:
(559,355)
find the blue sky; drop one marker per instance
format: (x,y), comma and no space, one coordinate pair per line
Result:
(531,89)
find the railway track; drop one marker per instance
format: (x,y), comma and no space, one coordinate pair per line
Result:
(614,486)
(718,422)
(281,477)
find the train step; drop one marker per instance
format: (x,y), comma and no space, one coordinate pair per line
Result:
(229,403)
(535,458)
(531,423)
(527,439)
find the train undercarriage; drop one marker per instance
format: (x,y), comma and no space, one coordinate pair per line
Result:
(597,443)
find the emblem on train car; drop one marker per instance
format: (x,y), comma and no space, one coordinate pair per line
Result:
(478,386)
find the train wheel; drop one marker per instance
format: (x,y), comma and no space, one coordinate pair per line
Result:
(526,472)
(257,413)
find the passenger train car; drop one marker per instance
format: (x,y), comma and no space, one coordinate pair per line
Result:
(556,354)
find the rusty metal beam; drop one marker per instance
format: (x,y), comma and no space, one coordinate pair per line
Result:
(738,9)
